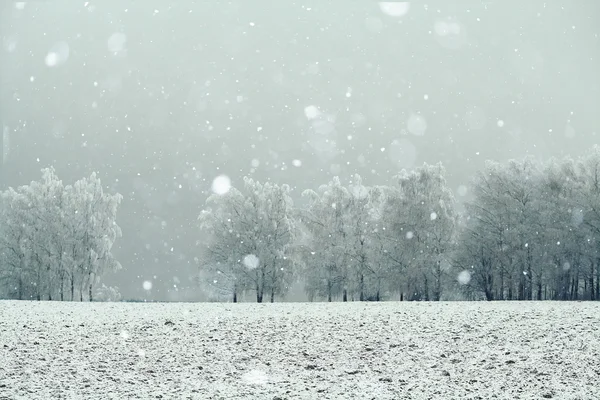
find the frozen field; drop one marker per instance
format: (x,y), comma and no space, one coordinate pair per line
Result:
(299,351)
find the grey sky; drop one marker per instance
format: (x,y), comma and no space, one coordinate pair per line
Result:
(161,97)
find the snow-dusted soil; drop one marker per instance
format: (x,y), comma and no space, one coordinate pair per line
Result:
(53,350)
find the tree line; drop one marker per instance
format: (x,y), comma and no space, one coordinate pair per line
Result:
(56,239)
(529,231)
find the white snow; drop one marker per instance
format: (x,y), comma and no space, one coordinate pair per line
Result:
(221,184)
(147,285)
(51,59)
(251,261)
(311,112)
(57,55)
(394,8)
(421,350)
(116,42)
(464,277)
(416,124)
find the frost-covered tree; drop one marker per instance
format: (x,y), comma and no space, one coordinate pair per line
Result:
(503,239)
(326,222)
(345,260)
(107,294)
(53,234)
(95,229)
(251,235)
(418,232)
(531,230)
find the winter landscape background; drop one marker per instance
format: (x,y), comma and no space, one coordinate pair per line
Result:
(160,101)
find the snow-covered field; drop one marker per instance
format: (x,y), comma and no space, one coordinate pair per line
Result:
(52,350)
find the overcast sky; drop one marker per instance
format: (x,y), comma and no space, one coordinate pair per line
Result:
(161,97)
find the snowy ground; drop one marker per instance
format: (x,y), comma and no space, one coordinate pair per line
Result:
(300,351)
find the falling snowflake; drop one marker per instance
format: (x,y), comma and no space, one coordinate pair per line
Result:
(221,185)
(251,261)
(394,8)
(464,277)
(311,112)
(116,42)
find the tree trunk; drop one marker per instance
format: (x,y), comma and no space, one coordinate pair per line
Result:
(272,295)
(501,291)
(598,280)
(489,295)
(362,288)
(345,296)
(437,290)
(425,288)
(259,294)
(91,283)
(72,285)
(234,296)
(20,286)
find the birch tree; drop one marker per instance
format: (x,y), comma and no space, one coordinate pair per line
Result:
(251,235)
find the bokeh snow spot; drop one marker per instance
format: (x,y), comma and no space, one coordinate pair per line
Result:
(10,44)
(57,55)
(297,163)
(221,184)
(116,42)
(147,285)
(433,216)
(51,59)
(462,190)
(464,277)
(450,34)
(394,8)
(251,261)
(409,235)
(311,112)
(416,124)
(500,123)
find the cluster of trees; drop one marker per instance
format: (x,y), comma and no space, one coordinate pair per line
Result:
(349,242)
(56,239)
(530,231)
